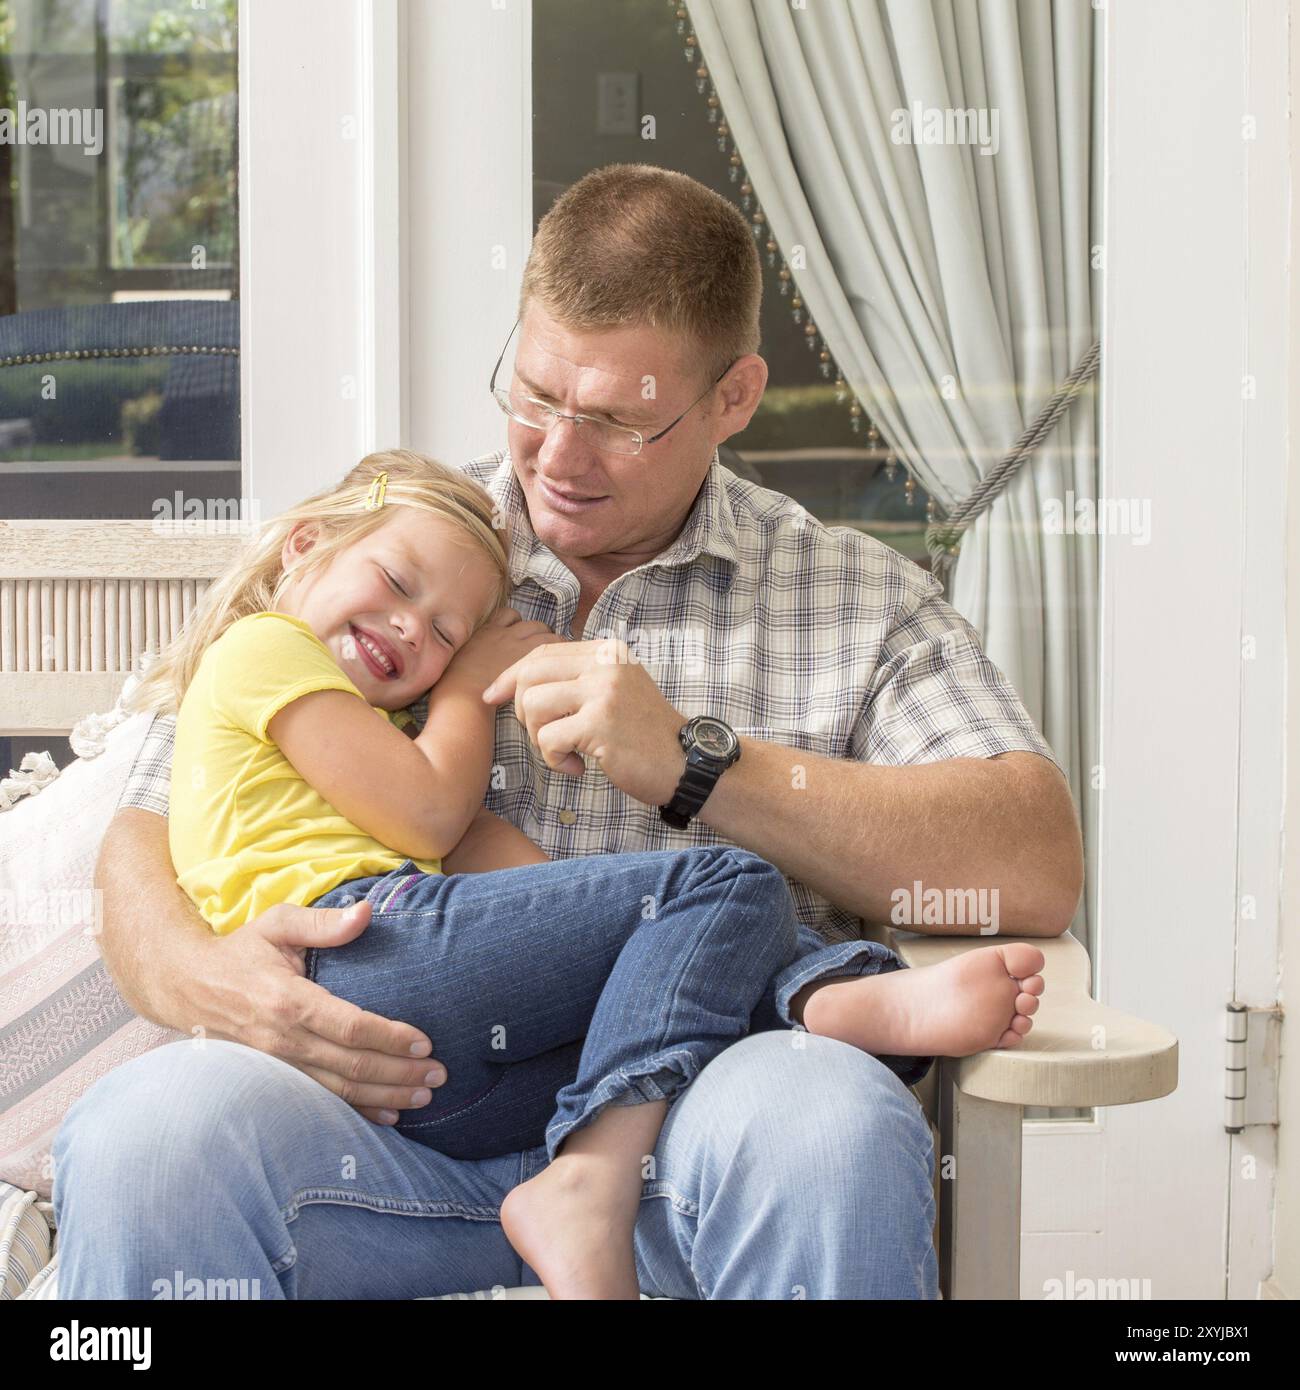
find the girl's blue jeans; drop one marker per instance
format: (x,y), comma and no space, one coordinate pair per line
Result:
(795,1167)
(552,990)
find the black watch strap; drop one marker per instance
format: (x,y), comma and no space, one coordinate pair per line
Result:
(698,780)
(692,792)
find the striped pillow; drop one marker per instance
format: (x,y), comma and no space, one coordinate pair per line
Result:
(25,1242)
(63,1023)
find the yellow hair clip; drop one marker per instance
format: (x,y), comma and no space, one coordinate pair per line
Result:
(375,497)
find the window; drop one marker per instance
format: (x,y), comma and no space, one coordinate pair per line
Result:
(119,267)
(119,227)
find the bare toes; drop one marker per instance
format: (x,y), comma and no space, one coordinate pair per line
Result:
(1021,1024)
(1022,960)
(1026,1004)
(1008,1039)
(1032,984)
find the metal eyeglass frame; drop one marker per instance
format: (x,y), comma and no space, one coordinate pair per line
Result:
(580,420)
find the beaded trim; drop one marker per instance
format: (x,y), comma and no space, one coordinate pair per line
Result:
(74,353)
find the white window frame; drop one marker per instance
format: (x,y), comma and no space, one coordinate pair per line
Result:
(322,322)
(470,215)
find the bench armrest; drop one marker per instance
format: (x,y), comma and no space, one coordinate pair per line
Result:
(1078,1053)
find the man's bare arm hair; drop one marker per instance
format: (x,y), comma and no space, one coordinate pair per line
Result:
(151,930)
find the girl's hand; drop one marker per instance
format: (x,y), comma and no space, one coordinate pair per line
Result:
(498,644)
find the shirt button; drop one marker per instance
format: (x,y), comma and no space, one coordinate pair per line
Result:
(567,817)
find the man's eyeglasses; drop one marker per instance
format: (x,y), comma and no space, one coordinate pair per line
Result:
(599,434)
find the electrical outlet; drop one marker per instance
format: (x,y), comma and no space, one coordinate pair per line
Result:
(616,103)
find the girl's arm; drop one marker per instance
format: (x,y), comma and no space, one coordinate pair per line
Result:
(457,741)
(417,796)
(492,843)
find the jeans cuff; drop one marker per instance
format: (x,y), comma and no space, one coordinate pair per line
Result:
(846,959)
(661,1077)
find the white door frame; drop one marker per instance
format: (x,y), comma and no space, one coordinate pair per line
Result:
(1194,396)
(470,213)
(1265,420)
(322,295)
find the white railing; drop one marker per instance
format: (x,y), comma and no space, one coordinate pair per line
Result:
(82,601)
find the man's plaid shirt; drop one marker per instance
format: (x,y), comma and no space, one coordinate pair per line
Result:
(821,638)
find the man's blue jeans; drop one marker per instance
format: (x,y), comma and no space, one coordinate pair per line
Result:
(551,990)
(794,1166)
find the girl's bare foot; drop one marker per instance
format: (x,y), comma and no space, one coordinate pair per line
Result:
(573,1223)
(973,1002)
(576,1249)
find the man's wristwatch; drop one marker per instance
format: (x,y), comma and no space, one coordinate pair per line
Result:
(711,748)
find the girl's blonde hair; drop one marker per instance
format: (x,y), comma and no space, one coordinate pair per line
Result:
(339,516)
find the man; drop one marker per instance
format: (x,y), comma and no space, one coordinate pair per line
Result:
(877,746)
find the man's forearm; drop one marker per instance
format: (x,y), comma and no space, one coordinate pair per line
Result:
(152,932)
(857,833)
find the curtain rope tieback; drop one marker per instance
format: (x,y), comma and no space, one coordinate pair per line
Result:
(942,538)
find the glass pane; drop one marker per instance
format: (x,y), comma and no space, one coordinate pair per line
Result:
(119,190)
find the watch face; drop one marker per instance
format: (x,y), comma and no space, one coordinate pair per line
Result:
(714,738)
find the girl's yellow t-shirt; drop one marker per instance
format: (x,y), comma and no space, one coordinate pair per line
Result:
(246,830)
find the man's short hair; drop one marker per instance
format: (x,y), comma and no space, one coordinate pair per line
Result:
(633,245)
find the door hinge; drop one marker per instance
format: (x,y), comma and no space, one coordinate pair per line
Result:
(1250,1072)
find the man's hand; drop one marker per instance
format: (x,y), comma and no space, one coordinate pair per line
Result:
(256,985)
(248,987)
(496,646)
(591,698)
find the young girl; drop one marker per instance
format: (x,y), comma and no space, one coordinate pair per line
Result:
(570,1001)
